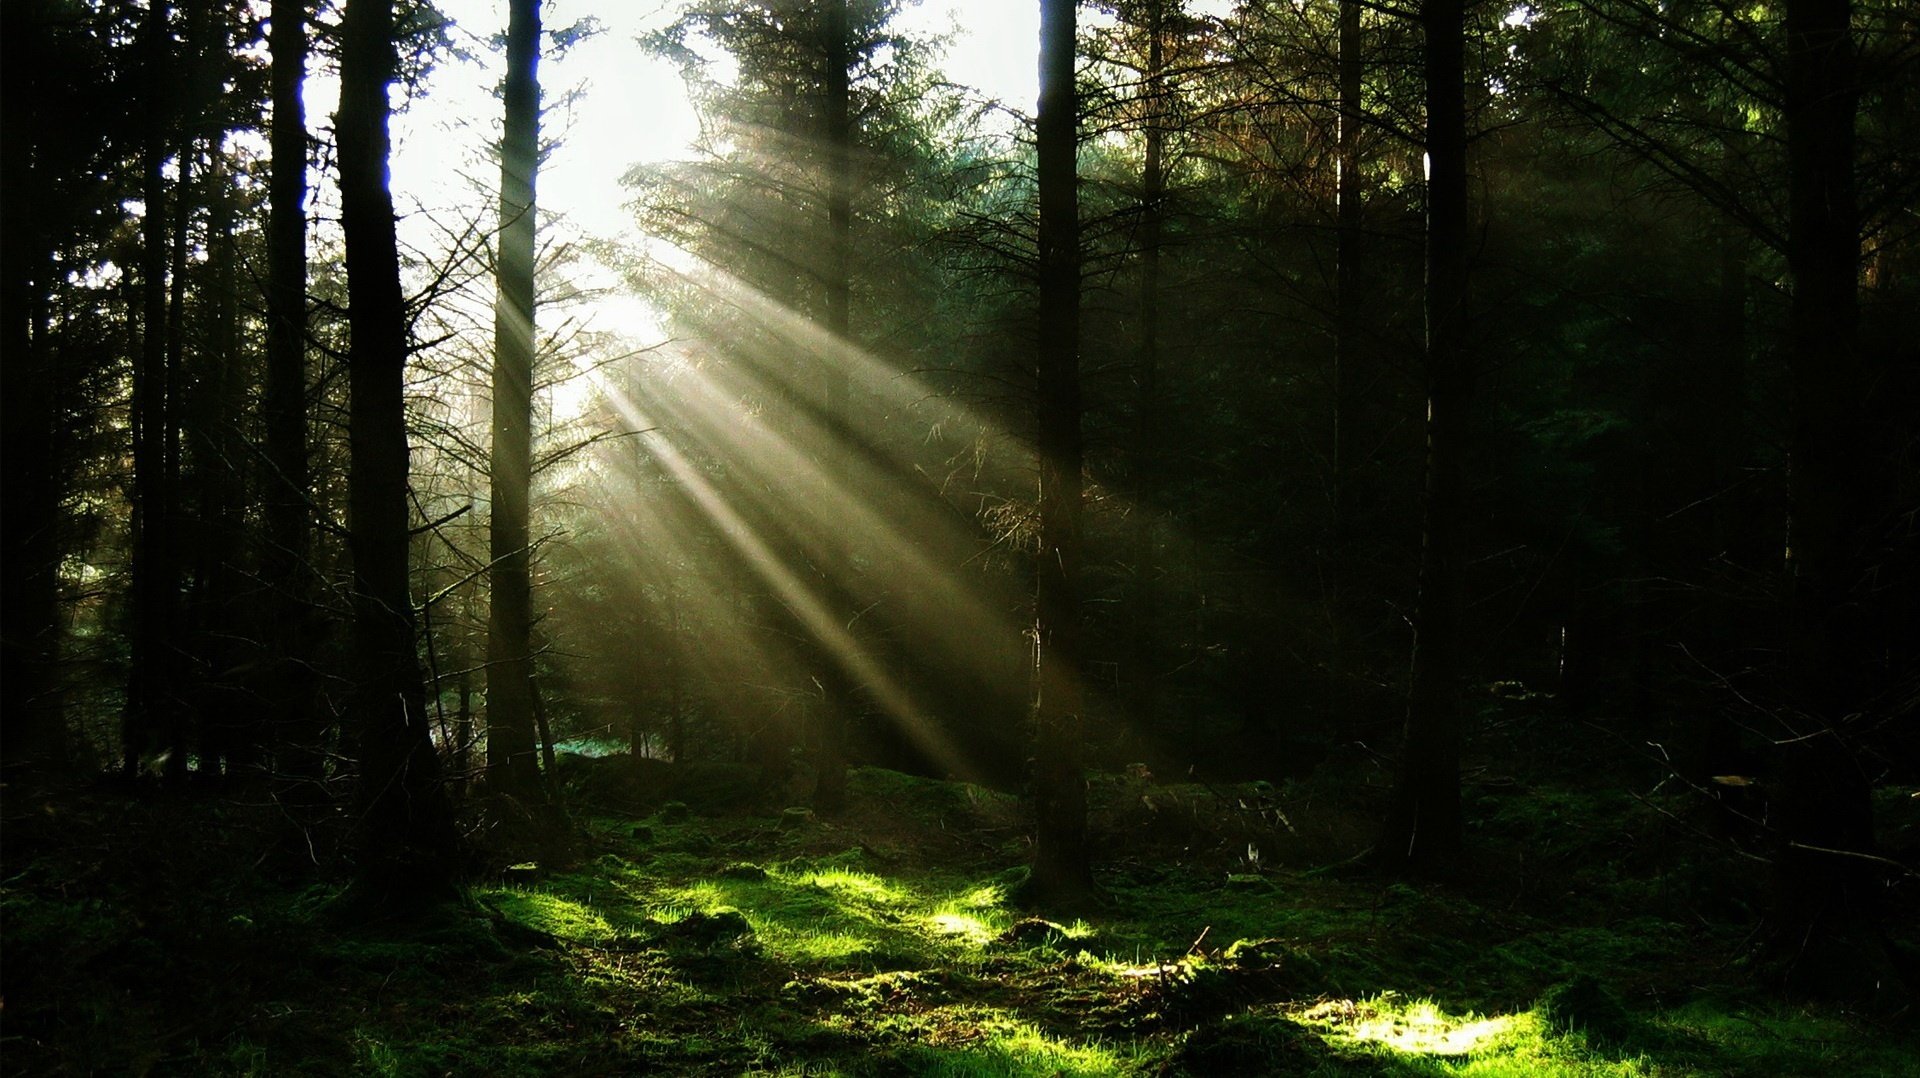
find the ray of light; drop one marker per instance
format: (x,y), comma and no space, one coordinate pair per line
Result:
(795,593)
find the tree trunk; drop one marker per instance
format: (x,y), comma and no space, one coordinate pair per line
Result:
(837,689)
(33,735)
(149,718)
(185,674)
(1062,874)
(1349,303)
(232,734)
(288,677)
(406,839)
(1144,638)
(462,727)
(1826,912)
(513,765)
(1423,826)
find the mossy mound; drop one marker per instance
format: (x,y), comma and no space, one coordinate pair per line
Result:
(706,931)
(1584,1005)
(1247,972)
(1032,932)
(1249,1044)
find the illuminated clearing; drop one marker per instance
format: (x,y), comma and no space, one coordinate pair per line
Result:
(1416,1028)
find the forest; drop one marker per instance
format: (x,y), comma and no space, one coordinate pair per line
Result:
(1319,537)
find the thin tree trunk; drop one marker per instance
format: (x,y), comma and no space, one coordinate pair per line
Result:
(33,735)
(837,690)
(186,675)
(1827,911)
(463,727)
(545,728)
(288,681)
(1349,319)
(233,735)
(1062,873)
(1423,826)
(1144,630)
(406,840)
(676,681)
(147,720)
(513,765)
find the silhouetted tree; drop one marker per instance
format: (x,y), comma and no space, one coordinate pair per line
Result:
(406,840)
(290,676)
(513,764)
(1423,826)
(1062,874)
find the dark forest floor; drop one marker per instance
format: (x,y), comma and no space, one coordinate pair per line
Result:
(1594,934)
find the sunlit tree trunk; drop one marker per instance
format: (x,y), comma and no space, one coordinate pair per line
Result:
(1062,875)
(406,841)
(513,765)
(837,690)
(1827,907)
(288,684)
(1423,822)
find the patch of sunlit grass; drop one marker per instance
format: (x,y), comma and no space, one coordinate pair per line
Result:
(1416,1027)
(560,917)
(1428,1039)
(964,926)
(860,886)
(990,1043)
(987,896)
(700,896)
(804,947)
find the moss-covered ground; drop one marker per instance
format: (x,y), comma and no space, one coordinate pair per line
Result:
(1590,936)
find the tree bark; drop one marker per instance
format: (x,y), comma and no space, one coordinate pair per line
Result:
(837,690)
(1423,826)
(1143,635)
(1062,874)
(1826,908)
(33,735)
(1349,317)
(231,731)
(150,717)
(406,841)
(513,764)
(288,681)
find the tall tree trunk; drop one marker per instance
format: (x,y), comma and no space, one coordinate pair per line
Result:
(232,735)
(407,844)
(1349,303)
(837,690)
(151,705)
(1062,873)
(462,724)
(513,763)
(183,727)
(33,735)
(1423,827)
(1144,635)
(1826,911)
(288,683)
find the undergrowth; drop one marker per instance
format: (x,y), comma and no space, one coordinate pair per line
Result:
(884,942)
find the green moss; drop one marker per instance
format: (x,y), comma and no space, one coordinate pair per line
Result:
(1583,1005)
(723,946)
(1250,1044)
(994,1046)
(549,913)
